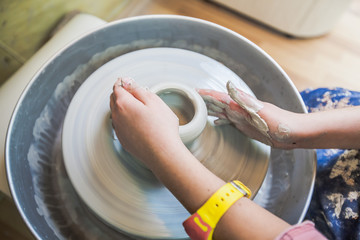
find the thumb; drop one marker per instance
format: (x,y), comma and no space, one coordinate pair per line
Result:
(251,105)
(246,101)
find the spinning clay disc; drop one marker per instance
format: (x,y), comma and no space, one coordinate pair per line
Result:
(119,189)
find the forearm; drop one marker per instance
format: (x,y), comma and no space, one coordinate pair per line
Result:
(242,221)
(338,128)
(188,180)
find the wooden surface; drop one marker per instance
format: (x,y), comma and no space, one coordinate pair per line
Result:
(332,60)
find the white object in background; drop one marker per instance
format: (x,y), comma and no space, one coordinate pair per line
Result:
(11,90)
(298,18)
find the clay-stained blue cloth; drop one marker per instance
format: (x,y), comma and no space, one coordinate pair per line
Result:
(335,204)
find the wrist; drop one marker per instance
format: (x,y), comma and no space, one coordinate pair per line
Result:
(303,131)
(167,154)
(284,126)
(202,223)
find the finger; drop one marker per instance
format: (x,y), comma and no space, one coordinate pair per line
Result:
(209,99)
(219,96)
(220,104)
(219,122)
(217,114)
(117,84)
(122,99)
(118,89)
(111,101)
(214,108)
(136,90)
(120,93)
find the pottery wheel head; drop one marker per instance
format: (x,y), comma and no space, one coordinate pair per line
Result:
(120,189)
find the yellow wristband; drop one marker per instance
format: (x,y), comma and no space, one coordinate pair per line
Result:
(201,225)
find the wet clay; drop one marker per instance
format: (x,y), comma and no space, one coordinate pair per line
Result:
(180,105)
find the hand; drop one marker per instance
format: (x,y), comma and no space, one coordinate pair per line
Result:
(148,129)
(256,119)
(144,124)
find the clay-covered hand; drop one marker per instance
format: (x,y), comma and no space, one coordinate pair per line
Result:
(259,120)
(144,124)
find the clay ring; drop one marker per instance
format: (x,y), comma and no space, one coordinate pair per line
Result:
(188,106)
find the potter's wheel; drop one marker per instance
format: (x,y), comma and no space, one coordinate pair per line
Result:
(39,184)
(118,188)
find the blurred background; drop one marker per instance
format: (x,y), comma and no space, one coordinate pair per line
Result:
(316,42)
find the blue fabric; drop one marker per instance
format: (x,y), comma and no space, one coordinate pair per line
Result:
(334,207)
